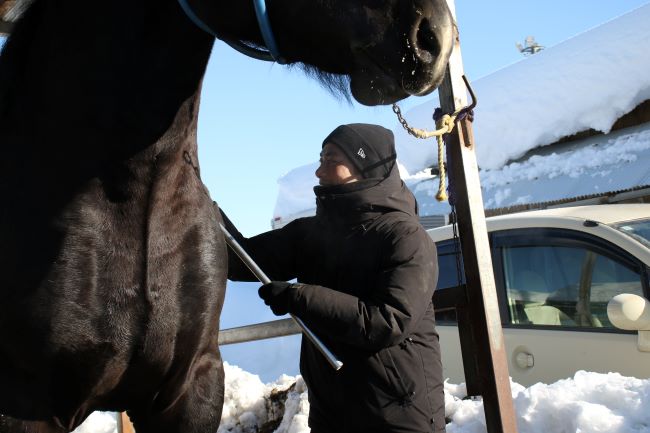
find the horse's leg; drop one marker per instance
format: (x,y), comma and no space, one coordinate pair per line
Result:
(197,404)
(13,425)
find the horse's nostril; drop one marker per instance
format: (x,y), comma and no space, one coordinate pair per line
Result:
(426,43)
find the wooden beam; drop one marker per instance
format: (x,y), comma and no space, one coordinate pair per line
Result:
(482,342)
(124,423)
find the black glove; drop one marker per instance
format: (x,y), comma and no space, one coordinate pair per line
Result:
(276,295)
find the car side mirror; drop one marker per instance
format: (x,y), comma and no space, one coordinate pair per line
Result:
(631,313)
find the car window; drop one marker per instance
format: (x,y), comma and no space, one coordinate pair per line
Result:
(562,285)
(637,229)
(450,274)
(449,262)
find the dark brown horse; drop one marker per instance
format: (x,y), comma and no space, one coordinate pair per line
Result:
(112,269)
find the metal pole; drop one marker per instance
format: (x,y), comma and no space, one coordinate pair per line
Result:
(259,331)
(248,261)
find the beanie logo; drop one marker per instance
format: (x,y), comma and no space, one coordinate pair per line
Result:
(361,153)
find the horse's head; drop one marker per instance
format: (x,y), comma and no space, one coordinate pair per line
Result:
(387,49)
(390,49)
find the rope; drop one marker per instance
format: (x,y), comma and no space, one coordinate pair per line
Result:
(444,124)
(441,195)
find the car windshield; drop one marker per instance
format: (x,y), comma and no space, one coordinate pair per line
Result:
(638,229)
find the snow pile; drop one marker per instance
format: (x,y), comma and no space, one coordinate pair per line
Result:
(586,403)
(251,406)
(588,81)
(99,422)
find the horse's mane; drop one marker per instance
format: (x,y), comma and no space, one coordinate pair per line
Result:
(338,85)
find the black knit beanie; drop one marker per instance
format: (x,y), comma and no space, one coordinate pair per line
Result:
(371,148)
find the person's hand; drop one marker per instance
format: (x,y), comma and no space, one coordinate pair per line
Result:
(276,295)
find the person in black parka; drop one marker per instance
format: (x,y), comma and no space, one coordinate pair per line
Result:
(366,272)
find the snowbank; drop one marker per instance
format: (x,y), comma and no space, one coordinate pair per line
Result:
(586,403)
(251,406)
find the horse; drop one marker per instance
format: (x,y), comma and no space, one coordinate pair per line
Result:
(112,266)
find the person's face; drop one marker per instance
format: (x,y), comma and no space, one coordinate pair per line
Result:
(335,168)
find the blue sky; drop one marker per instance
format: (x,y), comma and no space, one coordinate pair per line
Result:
(260,120)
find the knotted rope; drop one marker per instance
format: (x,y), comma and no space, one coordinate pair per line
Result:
(444,125)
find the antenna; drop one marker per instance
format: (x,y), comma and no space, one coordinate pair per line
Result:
(531,47)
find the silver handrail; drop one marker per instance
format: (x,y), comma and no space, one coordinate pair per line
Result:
(257,271)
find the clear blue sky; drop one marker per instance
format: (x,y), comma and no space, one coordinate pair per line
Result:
(259,120)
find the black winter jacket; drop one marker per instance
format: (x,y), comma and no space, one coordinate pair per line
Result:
(366,273)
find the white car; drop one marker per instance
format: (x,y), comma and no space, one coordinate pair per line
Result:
(556,271)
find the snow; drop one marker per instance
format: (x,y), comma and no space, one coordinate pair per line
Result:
(588,81)
(529,105)
(586,403)
(572,164)
(98,422)
(295,191)
(248,403)
(613,162)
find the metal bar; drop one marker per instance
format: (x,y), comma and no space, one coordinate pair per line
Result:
(444,300)
(483,334)
(248,261)
(259,331)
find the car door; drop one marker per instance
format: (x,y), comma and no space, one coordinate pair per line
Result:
(553,287)
(557,284)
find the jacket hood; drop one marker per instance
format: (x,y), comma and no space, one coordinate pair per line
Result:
(365,199)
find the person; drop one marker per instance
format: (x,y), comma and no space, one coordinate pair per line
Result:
(366,271)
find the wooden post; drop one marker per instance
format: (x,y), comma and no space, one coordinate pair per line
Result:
(124,423)
(479,322)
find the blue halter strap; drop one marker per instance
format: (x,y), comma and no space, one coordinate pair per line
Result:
(264,24)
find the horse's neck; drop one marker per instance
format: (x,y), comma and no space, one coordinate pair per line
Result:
(103,73)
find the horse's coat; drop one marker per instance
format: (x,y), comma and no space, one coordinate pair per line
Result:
(112,269)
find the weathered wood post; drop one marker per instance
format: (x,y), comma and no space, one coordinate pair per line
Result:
(479,323)
(124,423)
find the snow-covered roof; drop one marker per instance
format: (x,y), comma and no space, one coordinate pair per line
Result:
(617,161)
(586,82)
